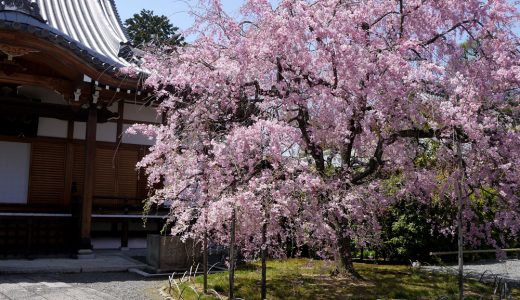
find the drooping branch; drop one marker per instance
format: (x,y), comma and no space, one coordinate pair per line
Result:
(442,34)
(382,17)
(401,21)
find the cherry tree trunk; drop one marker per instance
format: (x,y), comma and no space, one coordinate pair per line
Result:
(344,262)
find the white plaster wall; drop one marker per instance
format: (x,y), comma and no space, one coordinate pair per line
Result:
(46,95)
(136,112)
(14,172)
(106,132)
(80,128)
(52,127)
(136,139)
(114,107)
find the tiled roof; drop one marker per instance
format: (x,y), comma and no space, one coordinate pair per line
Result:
(91,28)
(93,23)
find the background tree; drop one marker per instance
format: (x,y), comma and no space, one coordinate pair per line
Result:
(147,28)
(407,229)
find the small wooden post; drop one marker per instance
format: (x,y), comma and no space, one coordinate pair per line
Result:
(264,260)
(232,257)
(205,262)
(458,188)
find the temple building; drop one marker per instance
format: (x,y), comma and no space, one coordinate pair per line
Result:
(68,180)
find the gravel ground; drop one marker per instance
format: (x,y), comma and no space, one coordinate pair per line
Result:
(84,286)
(508,270)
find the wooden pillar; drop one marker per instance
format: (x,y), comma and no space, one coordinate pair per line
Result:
(124,234)
(69,161)
(119,140)
(124,222)
(120,121)
(124,231)
(88,191)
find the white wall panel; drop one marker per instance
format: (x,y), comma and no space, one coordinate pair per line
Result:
(106,132)
(52,127)
(114,107)
(14,172)
(80,128)
(142,113)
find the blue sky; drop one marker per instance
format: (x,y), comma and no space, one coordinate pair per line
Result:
(176,10)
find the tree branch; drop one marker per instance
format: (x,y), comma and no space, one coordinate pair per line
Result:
(373,164)
(315,149)
(439,35)
(377,159)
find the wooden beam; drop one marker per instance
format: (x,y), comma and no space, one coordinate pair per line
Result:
(9,105)
(64,86)
(65,58)
(88,190)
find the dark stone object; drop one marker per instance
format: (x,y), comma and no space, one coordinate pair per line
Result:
(170,253)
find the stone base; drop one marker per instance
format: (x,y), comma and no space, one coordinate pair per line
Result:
(85,254)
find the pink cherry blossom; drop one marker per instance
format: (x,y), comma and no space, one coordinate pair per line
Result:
(297,115)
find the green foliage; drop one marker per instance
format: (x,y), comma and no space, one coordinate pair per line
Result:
(409,232)
(409,227)
(392,184)
(428,156)
(310,279)
(471,49)
(147,28)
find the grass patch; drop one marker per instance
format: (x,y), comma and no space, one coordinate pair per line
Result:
(301,279)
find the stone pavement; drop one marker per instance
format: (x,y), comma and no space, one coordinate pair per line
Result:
(103,262)
(79,286)
(104,277)
(47,290)
(508,270)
